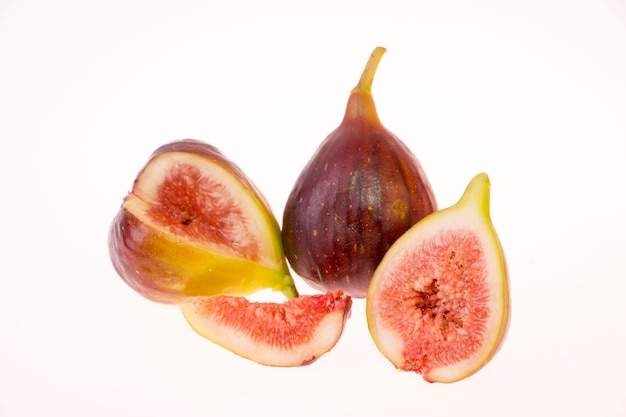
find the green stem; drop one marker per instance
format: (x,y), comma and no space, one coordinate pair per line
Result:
(367,78)
(290,291)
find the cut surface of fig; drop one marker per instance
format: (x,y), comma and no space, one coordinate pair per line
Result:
(360,191)
(195,225)
(438,304)
(294,333)
(187,195)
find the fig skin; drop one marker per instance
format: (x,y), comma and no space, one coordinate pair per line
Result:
(169,267)
(439,302)
(360,191)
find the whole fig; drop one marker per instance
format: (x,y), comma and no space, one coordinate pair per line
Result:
(361,190)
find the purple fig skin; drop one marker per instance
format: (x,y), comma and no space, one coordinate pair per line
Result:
(361,190)
(130,262)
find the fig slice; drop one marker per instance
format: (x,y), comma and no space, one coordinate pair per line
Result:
(438,303)
(293,333)
(195,225)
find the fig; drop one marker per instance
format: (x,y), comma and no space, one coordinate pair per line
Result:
(293,333)
(438,303)
(360,191)
(195,225)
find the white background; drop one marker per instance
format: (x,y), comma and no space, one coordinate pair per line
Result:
(532,92)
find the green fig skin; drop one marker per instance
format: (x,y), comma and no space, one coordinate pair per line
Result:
(360,191)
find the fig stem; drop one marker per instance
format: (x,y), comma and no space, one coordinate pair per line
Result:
(367,78)
(361,107)
(290,291)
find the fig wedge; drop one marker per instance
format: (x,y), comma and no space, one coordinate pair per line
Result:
(294,333)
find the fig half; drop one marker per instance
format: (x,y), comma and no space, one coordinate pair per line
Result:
(438,303)
(195,225)
(360,191)
(293,333)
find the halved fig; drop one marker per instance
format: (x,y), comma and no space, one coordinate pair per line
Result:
(438,303)
(195,225)
(294,333)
